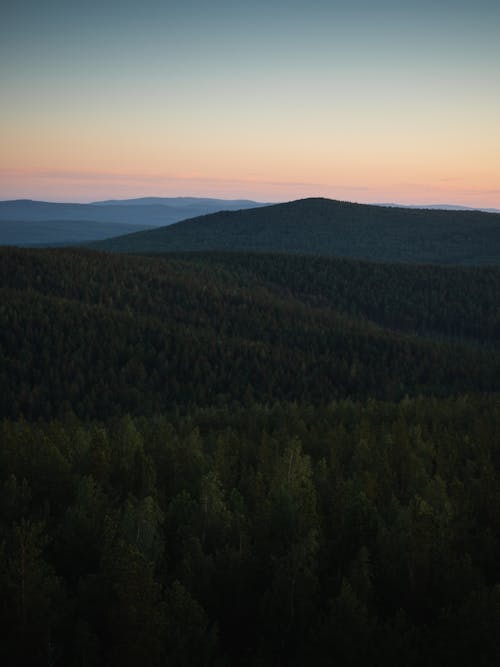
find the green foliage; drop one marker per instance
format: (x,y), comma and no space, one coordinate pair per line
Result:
(247,460)
(100,335)
(357,533)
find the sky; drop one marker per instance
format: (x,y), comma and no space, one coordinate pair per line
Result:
(360,100)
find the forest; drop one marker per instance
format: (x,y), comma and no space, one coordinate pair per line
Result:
(248,459)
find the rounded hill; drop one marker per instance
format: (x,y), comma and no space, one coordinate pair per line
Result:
(331,228)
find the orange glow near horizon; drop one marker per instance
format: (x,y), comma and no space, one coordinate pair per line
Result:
(342,157)
(387,108)
(475,190)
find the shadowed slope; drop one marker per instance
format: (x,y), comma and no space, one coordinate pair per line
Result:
(327,227)
(107,334)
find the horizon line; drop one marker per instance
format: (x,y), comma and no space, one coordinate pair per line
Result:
(384,204)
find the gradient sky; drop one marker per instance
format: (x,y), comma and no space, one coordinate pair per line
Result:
(274,100)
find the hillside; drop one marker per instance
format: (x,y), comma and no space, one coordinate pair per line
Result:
(332,228)
(142,335)
(314,437)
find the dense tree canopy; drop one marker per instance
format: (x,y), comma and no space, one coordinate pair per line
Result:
(100,335)
(247,460)
(278,535)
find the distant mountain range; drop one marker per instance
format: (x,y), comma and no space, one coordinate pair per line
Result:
(331,228)
(27,222)
(61,232)
(442,207)
(182,202)
(380,232)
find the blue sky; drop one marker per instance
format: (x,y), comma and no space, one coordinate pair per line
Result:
(382,100)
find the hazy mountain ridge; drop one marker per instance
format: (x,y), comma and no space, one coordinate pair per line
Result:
(180,201)
(441,207)
(332,228)
(61,232)
(28,222)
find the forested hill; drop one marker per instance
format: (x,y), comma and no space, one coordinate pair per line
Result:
(247,459)
(105,334)
(332,228)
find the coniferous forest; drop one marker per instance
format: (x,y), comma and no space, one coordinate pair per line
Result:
(214,459)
